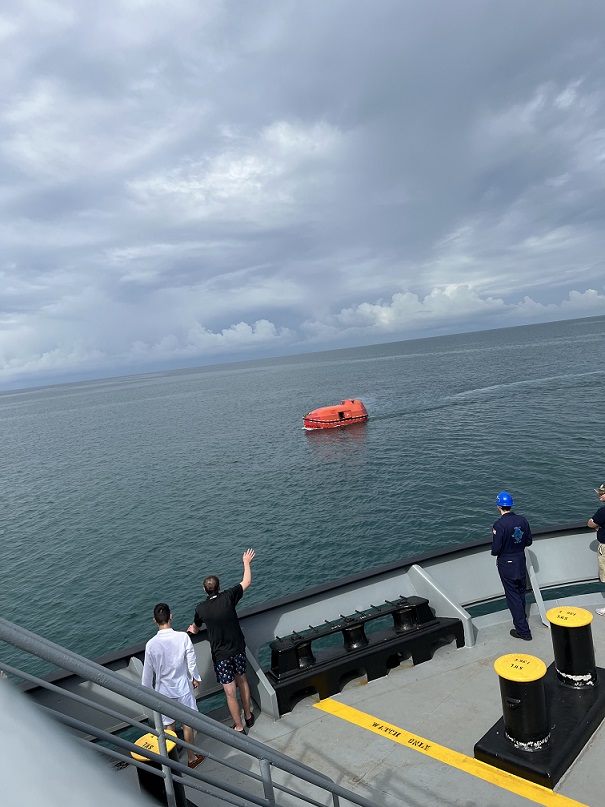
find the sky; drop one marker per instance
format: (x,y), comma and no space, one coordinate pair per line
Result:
(196,181)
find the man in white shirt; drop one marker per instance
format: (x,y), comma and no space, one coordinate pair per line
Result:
(170,660)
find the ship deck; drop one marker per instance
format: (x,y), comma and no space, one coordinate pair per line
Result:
(428,718)
(406,739)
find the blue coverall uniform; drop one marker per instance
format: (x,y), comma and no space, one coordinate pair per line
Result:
(511,534)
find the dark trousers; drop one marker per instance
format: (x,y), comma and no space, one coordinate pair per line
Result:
(513,575)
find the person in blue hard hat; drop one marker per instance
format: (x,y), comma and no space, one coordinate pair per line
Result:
(511,533)
(597,522)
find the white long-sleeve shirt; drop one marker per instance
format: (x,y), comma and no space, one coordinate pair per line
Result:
(170,657)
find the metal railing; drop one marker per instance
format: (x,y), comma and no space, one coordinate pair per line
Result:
(268,759)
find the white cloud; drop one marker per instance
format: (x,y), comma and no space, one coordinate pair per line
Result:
(81,357)
(445,310)
(115,346)
(199,341)
(187,181)
(251,178)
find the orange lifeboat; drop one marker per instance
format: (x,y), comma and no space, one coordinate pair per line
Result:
(332,417)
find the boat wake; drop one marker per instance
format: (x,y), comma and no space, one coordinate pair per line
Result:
(532,383)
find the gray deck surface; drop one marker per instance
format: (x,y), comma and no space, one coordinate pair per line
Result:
(451,700)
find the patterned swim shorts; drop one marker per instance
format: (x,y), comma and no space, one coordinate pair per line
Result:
(227,670)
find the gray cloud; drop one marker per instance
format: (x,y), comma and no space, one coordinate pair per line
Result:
(194,181)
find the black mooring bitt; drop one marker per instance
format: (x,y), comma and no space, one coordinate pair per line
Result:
(297,666)
(573,717)
(548,720)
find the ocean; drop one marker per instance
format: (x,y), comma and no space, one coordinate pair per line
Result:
(121,493)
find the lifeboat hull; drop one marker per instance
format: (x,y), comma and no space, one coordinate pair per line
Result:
(335,417)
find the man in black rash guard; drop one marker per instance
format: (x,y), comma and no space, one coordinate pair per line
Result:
(597,522)
(227,642)
(511,534)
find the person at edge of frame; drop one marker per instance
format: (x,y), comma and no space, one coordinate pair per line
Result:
(511,533)
(597,522)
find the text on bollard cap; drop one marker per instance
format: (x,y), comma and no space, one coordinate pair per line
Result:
(519,667)
(568,616)
(150,742)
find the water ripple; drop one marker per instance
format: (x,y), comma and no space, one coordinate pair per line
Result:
(121,493)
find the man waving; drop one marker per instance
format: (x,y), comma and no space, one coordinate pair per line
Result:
(227,642)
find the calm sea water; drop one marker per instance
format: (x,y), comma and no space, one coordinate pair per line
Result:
(120,493)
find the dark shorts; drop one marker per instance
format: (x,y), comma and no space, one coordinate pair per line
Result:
(227,670)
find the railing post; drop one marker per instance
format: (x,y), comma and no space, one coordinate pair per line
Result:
(265,772)
(535,587)
(168,783)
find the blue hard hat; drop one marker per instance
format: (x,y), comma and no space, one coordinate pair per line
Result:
(504,499)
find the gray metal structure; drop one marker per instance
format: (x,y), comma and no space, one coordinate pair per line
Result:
(456,582)
(101,678)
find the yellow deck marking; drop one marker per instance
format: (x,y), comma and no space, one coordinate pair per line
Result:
(474,767)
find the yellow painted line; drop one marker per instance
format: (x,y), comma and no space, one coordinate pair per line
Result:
(474,767)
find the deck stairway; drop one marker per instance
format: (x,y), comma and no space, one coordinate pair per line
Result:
(262,788)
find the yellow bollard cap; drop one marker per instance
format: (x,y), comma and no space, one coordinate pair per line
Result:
(568,616)
(150,742)
(519,667)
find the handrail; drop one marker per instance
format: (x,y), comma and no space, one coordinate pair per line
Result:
(118,741)
(89,670)
(154,756)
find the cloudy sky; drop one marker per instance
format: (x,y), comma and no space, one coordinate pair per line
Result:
(195,181)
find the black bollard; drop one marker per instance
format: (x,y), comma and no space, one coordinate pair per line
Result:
(305,655)
(523,700)
(572,645)
(405,619)
(354,636)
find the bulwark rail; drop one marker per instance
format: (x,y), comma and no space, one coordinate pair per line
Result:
(267,758)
